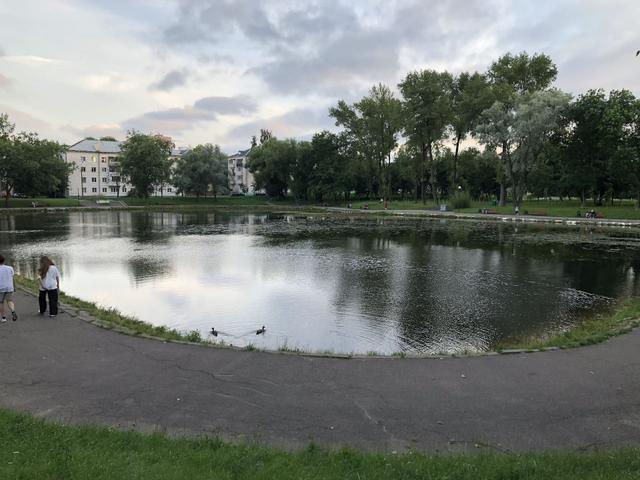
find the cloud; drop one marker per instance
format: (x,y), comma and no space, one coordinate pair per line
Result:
(4,82)
(331,47)
(177,120)
(171,80)
(299,123)
(31,60)
(227,105)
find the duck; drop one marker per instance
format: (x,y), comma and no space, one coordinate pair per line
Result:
(214,332)
(261,330)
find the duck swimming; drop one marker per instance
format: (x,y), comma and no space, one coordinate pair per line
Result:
(214,332)
(261,330)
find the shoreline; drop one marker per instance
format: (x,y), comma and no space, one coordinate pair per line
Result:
(623,320)
(317,209)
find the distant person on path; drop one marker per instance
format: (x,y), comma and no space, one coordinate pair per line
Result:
(6,290)
(49,278)
(517,210)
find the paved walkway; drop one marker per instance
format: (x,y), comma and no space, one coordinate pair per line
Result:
(500,217)
(69,370)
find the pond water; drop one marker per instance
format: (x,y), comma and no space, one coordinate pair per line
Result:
(346,285)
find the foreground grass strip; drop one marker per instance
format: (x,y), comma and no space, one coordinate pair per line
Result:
(111,316)
(32,448)
(594,330)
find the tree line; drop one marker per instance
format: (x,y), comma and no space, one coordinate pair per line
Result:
(30,165)
(504,134)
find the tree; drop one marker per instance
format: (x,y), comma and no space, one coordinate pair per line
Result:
(30,165)
(202,169)
(271,164)
(470,97)
(521,132)
(427,113)
(513,76)
(144,161)
(373,125)
(108,138)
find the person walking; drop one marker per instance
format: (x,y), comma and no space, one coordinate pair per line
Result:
(49,278)
(6,291)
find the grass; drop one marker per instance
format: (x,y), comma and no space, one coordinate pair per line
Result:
(594,330)
(209,201)
(35,449)
(111,317)
(42,202)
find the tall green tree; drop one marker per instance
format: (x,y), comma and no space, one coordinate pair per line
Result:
(144,161)
(427,114)
(271,164)
(522,132)
(373,125)
(470,97)
(201,170)
(511,77)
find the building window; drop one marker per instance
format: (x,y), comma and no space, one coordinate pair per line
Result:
(84,190)
(94,179)
(93,169)
(105,180)
(83,159)
(104,169)
(113,189)
(94,190)
(83,169)
(84,179)
(124,189)
(169,189)
(104,190)
(93,159)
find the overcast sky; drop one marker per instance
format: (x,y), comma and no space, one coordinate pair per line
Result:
(219,70)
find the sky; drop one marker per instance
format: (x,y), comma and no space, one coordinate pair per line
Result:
(216,71)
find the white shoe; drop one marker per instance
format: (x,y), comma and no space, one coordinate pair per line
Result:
(2,320)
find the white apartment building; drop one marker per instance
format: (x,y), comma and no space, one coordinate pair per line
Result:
(240,178)
(97,170)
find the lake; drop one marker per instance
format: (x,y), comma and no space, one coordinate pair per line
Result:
(335,283)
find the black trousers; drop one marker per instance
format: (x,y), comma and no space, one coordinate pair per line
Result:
(53,301)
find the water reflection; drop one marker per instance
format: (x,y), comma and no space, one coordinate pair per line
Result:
(339,284)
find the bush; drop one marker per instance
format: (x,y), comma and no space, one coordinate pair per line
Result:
(460,200)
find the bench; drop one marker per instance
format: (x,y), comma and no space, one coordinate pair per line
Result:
(103,202)
(487,211)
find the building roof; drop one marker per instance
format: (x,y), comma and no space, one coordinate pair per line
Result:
(95,146)
(178,152)
(241,153)
(105,146)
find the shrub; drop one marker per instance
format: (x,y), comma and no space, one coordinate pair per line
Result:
(460,200)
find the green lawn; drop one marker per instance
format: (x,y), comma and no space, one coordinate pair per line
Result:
(42,202)
(193,201)
(34,449)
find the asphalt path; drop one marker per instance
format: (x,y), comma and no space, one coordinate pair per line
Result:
(68,370)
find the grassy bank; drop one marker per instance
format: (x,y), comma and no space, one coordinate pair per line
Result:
(36,449)
(594,330)
(221,201)
(42,202)
(111,316)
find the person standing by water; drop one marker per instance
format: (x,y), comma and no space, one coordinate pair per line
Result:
(6,291)
(49,278)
